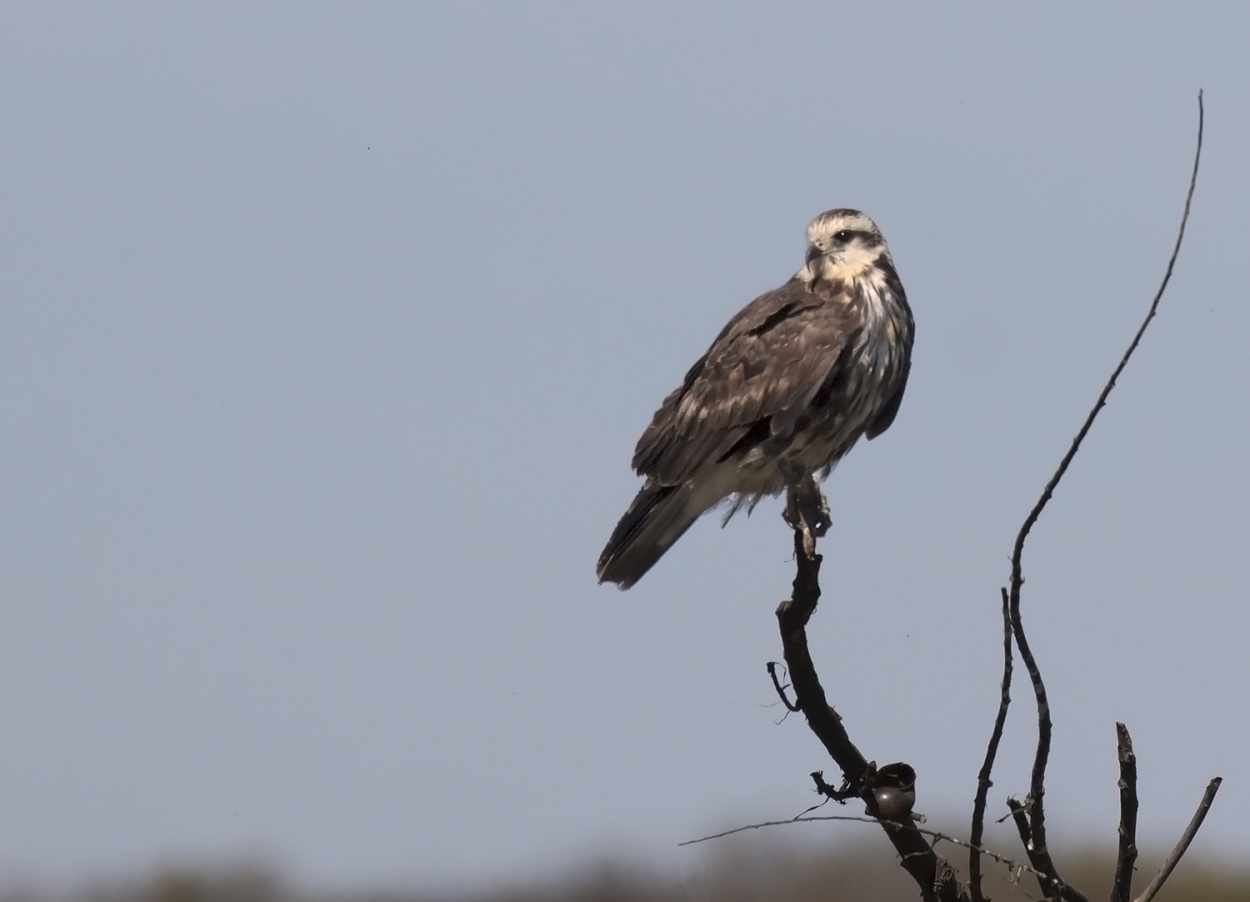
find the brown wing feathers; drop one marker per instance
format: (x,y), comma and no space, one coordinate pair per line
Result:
(766,367)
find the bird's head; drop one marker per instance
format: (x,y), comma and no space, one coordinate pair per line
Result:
(843,245)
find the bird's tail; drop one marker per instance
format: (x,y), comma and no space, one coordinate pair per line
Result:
(655,520)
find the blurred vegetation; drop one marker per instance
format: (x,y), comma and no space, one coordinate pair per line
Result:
(739,874)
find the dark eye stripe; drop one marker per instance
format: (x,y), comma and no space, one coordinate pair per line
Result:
(844,236)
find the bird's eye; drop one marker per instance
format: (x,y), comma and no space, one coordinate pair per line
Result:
(842,236)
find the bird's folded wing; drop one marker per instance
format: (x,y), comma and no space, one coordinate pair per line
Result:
(758,379)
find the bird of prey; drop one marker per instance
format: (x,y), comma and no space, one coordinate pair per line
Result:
(785,390)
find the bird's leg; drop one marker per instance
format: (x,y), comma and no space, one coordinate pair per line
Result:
(806,508)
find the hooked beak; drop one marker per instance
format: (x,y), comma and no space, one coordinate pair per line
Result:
(813,254)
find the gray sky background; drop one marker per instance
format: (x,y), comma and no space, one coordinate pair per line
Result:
(326,332)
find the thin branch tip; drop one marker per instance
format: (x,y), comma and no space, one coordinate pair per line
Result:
(1182,845)
(1126,853)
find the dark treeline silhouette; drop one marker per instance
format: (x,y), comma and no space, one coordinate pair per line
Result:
(738,873)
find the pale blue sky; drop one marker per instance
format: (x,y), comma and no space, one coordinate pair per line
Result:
(326,332)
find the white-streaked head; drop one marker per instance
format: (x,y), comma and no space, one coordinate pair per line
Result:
(842,244)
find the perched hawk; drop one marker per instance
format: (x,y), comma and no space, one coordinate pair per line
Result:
(785,390)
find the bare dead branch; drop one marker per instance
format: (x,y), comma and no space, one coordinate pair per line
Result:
(1020,818)
(1174,858)
(1048,879)
(809,695)
(1033,815)
(991,752)
(1126,856)
(934,876)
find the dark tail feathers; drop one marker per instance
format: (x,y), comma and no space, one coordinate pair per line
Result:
(656,519)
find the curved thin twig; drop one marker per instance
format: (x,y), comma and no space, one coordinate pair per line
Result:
(1208,796)
(859,819)
(864,819)
(991,752)
(1034,811)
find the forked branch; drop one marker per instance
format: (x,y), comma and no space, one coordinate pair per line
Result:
(1030,815)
